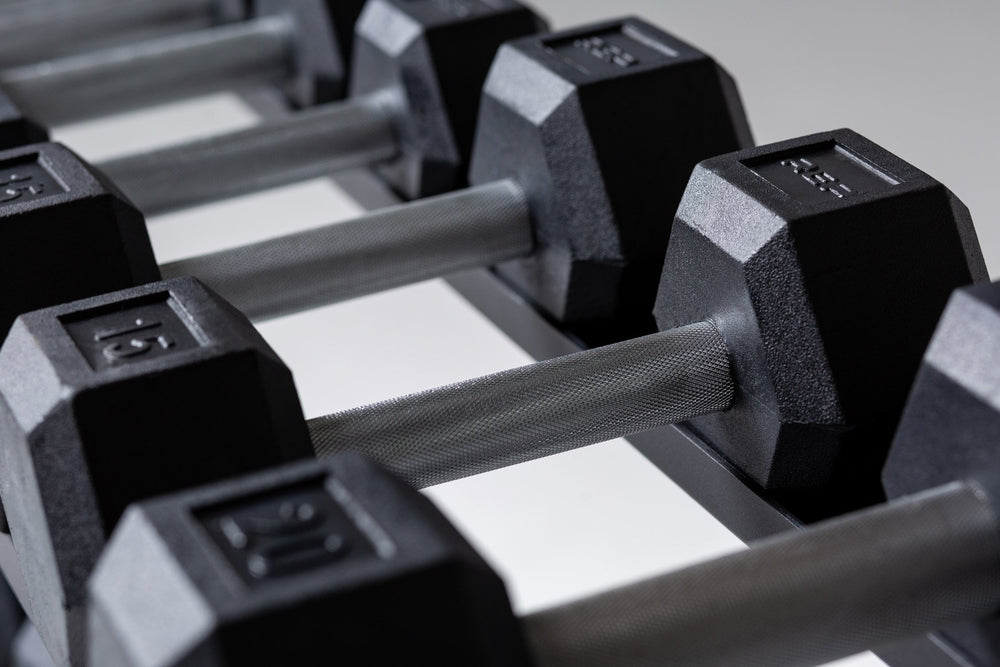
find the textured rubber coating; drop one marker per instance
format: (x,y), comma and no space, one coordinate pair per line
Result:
(538,410)
(802,598)
(113,80)
(395,246)
(307,144)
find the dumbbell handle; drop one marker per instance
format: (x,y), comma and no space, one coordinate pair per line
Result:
(538,410)
(307,144)
(830,591)
(117,79)
(479,226)
(35,31)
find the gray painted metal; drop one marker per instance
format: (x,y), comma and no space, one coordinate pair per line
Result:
(846,585)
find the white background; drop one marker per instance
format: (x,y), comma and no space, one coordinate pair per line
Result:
(918,77)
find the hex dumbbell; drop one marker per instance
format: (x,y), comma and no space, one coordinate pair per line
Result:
(921,563)
(570,200)
(415,89)
(301,46)
(82,438)
(157,365)
(787,320)
(416,80)
(561,197)
(34,31)
(69,483)
(314,563)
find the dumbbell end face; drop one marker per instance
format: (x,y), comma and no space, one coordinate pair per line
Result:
(428,61)
(601,126)
(304,565)
(807,255)
(16,129)
(68,232)
(114,399)
(951,424)
(324,35)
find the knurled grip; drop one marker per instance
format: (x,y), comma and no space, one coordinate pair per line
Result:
(538,410)
(395,246)
(801,598)
(308,144)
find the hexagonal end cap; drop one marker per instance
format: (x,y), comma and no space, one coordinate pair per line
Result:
(601,125)
(321,46)
(69,232)
(114,399)
(263,569)
(429,61)
(826,262)
(952,419)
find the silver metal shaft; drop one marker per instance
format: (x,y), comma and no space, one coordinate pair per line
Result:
(804,598)
(538,410)
(34,31)
(395,246)
(307,144)
(112,80)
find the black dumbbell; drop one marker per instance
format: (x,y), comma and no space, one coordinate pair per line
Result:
(577,168)
(151,365)
(34,31)
(416,81)
(588,197)
(922,563)
(801,284)
(111,400)
(310,564)
(229,407)
(302,45)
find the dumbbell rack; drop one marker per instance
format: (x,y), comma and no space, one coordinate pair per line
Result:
(741,506)
(679,454)
(744,509)
(701,472)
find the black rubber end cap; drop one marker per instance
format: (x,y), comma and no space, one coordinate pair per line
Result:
(114,399)
(307,565)
(826,262)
